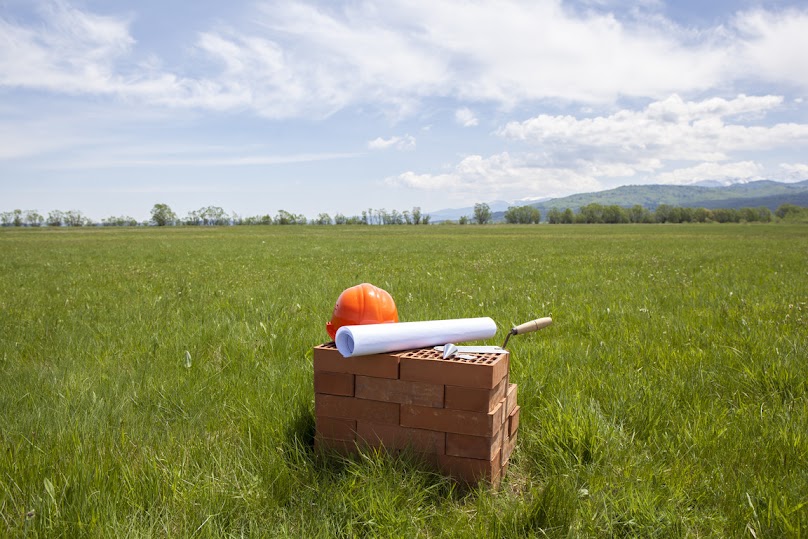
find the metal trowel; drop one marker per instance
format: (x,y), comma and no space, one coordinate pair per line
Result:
(452,350)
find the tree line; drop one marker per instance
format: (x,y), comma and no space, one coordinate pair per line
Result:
(163,215)
(517,215)
(613,214)
(664,213)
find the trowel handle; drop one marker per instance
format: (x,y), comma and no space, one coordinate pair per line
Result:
(533,325)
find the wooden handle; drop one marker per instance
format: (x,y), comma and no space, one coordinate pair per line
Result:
(533,325)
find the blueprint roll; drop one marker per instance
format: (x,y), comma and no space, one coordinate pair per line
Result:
(369,339)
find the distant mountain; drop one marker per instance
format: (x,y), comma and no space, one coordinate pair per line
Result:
(652,196)
(530,201)
(708,194)
(766,193)
(453,214)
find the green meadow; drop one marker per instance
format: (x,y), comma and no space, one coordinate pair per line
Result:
(157,382)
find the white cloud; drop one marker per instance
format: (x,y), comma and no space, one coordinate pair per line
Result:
(672,129)
(465,117)
(394,54)
(802,168)
(499,176)
(671,141)
(511,52)
(795,171)
(407,142)
(771,46)
(302,59)
(725,173)
(74,52)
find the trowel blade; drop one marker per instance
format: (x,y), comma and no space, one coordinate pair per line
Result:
(450,348)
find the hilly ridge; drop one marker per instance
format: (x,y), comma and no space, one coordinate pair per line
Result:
(652,196)
(768,193)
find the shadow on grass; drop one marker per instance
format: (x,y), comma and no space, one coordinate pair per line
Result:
(301,428)
(550,510)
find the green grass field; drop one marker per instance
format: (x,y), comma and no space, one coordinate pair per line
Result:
(669,399)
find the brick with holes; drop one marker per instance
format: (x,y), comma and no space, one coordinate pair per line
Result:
(485,371)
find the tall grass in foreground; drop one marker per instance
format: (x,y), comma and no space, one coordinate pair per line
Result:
(158,382)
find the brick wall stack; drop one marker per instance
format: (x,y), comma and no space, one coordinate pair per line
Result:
(458,414)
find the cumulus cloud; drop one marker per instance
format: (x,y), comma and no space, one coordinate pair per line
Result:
(770,46)
(801,168)
(671,141)
(465,117)
(407,142)
(499,176)
(302,59)
(671,129)
(795,171)
(724,173)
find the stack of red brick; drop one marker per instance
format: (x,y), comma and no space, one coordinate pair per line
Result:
(458,414)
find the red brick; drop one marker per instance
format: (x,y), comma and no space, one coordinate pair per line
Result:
(475,399)
(328,358)
(401,391)
(511,400)
(507,448)
(336,429)
(474,447)
(485,372)
(353,408)
(513,421)
(446,420)
(334,383)
(401,438)
(468,470)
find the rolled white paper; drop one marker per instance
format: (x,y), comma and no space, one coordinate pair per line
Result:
(368,339)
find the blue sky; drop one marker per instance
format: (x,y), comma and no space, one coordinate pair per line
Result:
(111,106)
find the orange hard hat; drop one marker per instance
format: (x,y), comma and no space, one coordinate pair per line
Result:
(362,304)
